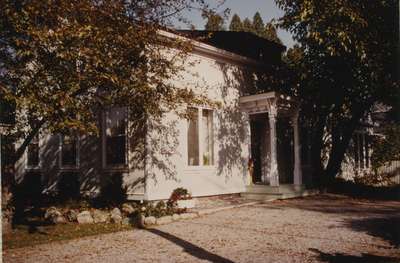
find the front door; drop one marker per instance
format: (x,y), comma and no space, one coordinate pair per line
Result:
(258,132)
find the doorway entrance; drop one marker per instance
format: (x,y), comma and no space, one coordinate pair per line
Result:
(259,146)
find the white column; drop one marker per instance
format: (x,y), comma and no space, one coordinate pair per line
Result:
(364,149)
(273,172)
(297,180)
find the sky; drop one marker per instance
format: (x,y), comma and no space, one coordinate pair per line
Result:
(244,8)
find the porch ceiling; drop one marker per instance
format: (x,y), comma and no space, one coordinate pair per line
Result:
(270,102)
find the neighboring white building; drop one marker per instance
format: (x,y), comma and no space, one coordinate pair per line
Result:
(208,154)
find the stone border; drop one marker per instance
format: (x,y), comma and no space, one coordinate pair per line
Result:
(152,221)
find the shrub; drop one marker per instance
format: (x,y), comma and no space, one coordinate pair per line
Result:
(68,187)
(112,193)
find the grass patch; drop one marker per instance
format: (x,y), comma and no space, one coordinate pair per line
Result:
(24,235)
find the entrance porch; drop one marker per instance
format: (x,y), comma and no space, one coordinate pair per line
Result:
(275,164)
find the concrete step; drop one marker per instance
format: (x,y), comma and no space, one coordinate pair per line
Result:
(275,196)
(267,189)
(261,197)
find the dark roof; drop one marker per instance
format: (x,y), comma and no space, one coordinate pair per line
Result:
(242,43)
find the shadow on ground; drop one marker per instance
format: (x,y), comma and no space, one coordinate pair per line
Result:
(376,218)
(387,228)
(190,248)
(345,258)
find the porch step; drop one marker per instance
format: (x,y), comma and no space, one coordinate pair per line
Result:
(261,197)
(267,189)
(269,193)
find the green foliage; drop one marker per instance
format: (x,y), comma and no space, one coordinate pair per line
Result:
(215,22)
(269,33)
(247,25)
(64,61)
(113,192)
(347,65)
(255,26)
(258,25)
(179,193)
(387,147)
(236,23)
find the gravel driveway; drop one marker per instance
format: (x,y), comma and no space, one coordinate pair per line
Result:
(325,228)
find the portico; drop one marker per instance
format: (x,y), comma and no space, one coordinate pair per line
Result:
(275,144)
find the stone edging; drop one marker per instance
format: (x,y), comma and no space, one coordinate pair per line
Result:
(151,220)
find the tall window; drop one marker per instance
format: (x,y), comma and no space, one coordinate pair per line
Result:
(69,150)
(208,140)
(115,136)
(193,137)
(361,150)
(200,137)
(33,152)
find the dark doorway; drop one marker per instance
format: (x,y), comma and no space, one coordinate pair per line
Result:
(285,150)
(259,128)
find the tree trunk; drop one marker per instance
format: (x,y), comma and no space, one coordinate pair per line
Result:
(21,149)
(316,149)
(341,137)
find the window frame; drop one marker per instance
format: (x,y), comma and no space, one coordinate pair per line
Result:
(105,165)
(77,157)
(201,136)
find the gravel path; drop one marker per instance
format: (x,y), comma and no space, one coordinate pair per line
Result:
(325,228)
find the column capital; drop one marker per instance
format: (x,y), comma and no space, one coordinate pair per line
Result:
(273,112)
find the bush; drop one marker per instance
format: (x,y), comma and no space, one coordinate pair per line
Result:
(68,187)
(112,193)
(178,194)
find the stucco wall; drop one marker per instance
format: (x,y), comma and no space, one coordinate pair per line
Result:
(167,168)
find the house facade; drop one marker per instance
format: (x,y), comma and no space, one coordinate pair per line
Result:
(250,138)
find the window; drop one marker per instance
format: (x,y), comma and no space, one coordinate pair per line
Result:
(193,137)
(361,150)
(115,137)
(69,150)
(33,152)
(200,137)
(208,140)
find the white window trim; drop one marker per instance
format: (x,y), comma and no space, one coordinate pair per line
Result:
(69,167)
(361,164)
(113,167)
(39,165)
(201,165)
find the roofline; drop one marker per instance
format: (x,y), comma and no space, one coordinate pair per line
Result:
(267,95)
(214,52)
(280,46)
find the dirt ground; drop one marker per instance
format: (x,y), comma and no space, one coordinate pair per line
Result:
(325,228)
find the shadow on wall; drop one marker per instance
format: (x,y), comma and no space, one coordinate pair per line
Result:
(163,141)
(233,131)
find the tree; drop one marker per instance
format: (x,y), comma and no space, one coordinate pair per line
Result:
(258,25)
(269,33)
(236,23)
(347,66)
(215,22)
(247,25)
(62,62)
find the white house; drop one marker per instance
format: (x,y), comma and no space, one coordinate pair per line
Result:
(210,154)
